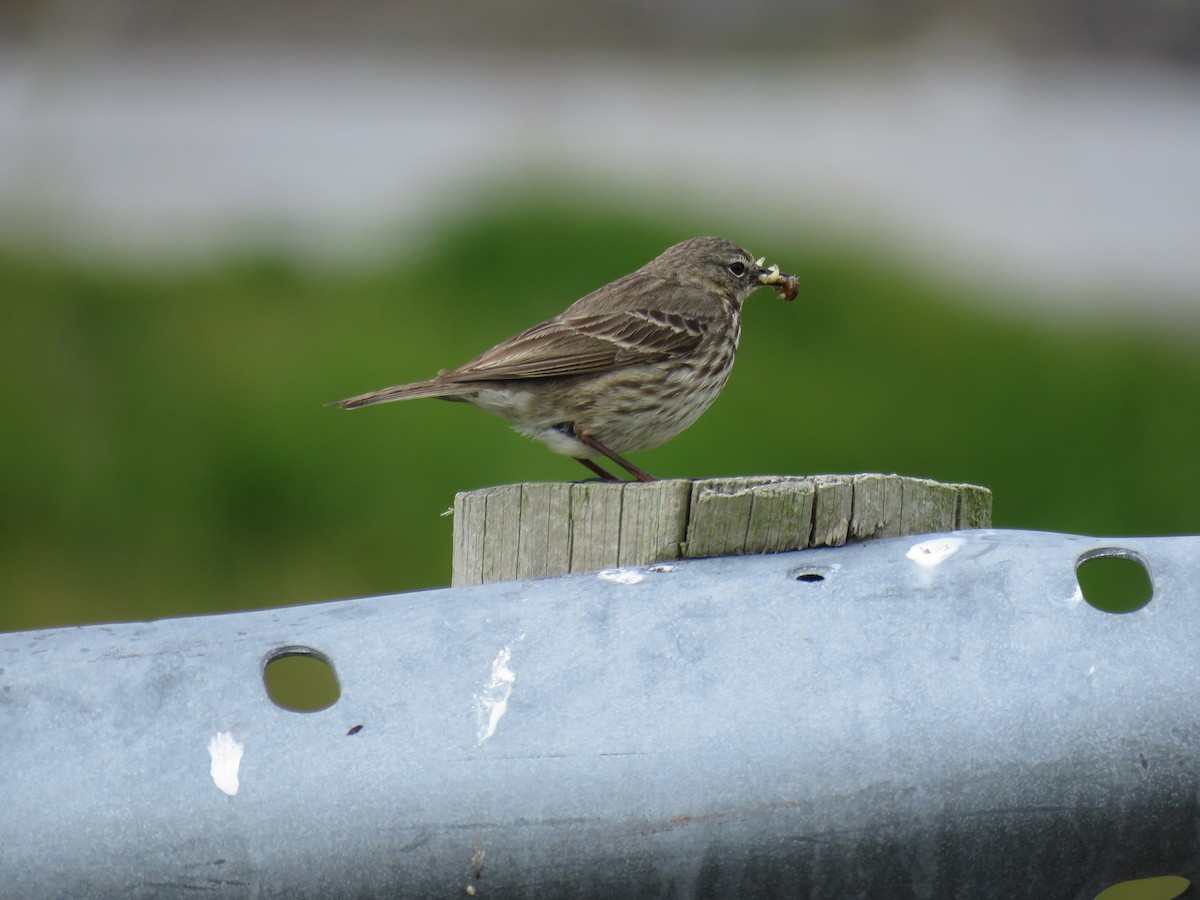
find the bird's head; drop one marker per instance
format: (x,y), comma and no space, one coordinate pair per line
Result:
(725,268)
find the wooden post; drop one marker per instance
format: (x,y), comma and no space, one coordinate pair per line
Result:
(534,530)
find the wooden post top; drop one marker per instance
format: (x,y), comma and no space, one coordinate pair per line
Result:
(534,530)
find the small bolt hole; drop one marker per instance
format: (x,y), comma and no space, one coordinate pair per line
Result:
(811,574)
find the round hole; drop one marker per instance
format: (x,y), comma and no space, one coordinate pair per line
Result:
(300,679)
(1162,887)
(810,574)
(1113,579)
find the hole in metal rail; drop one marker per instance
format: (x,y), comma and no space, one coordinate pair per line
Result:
(300,679)
(1114,579)
(1162,887)
(810,574)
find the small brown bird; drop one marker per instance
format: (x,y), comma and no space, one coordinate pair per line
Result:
(626,367)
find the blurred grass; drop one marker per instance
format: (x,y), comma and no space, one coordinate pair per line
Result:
(166,452)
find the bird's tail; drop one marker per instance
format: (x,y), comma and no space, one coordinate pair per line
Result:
(431,388)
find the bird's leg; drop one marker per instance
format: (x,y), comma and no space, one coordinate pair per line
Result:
(599,470)
(568,428)
(589,441)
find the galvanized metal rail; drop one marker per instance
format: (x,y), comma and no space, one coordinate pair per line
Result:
(912,717)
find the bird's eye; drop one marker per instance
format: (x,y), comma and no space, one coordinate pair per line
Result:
(738,269)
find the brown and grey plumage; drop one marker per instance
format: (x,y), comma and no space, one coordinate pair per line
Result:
(626,367)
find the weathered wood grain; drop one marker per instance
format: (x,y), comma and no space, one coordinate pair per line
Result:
(974,507)
(877,504)
(543,540)
(833,511)
(653,522)
(593,527)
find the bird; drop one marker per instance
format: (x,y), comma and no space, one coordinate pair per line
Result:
(624,368)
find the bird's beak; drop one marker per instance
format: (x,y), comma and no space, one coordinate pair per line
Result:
(781,282)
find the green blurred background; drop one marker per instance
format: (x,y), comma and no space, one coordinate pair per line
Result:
(166,451)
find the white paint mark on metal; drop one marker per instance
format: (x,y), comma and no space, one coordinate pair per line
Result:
(492,702)
(621,576)
(226,752)
(935,552)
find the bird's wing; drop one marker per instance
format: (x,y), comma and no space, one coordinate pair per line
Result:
(587,343)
